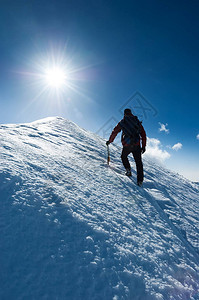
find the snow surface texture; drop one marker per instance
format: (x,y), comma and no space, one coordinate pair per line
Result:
(74,228)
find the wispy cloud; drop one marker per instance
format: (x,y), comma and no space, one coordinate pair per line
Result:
(197,136)
(177,146)
(163,127)
(155,151)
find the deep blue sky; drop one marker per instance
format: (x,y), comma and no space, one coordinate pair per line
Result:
(117,48)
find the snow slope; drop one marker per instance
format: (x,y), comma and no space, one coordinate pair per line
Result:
(74,228)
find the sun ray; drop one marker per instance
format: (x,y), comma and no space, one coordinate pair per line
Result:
(54,78)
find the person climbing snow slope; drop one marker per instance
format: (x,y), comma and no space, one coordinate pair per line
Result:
(132,133)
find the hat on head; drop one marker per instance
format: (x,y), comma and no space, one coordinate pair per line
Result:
(127,111)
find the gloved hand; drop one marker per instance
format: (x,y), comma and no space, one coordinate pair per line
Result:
(107,143)
(143,150)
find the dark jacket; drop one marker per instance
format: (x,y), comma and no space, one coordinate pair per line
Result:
(126,140)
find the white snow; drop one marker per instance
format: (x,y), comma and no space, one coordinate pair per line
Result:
(74,228)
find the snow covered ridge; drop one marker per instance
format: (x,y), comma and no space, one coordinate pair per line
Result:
(73,228)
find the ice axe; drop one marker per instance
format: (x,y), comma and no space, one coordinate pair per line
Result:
(108,155)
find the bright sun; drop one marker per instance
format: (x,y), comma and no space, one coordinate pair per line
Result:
(55,77)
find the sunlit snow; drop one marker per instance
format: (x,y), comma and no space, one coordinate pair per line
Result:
(74,228)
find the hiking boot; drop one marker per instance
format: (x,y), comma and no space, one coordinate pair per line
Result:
(128,172)
(139,183)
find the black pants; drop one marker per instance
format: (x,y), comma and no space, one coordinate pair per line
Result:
(136,151)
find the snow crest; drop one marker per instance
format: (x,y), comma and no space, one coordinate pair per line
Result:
(74,228)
